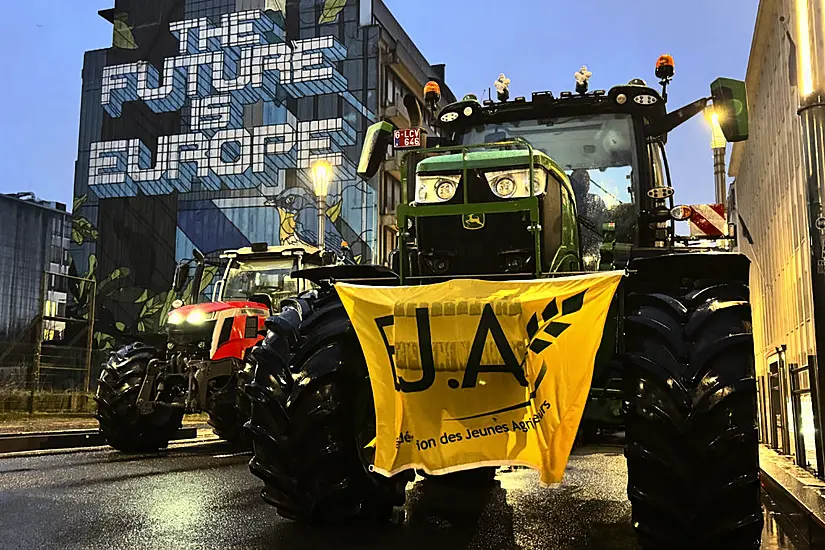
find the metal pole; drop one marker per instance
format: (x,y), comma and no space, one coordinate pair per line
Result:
(812,115)
(90,336)
(719,175)
(322,226)
(34,379)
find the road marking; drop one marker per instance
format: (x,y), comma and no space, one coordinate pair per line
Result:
(230,455)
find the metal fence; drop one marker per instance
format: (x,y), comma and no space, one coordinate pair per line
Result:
(53,351)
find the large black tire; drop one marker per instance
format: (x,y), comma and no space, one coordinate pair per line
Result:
(311,435)
(692,446)
(224,415)
(121,423)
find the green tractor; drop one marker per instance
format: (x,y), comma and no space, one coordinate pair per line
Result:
(527,189)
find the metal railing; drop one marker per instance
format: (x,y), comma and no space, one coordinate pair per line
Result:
(53,352)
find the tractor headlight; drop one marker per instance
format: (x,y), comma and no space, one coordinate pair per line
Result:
(198,317)
(175,318)
(445,190)
(435,189)
(195,317)
(513,184)
(505,186)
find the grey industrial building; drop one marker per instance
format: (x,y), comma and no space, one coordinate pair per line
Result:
(34,241)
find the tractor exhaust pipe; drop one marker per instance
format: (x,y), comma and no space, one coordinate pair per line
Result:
(198,276)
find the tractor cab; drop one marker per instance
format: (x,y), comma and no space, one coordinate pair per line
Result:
(263,274)
(259,274)
(524,187)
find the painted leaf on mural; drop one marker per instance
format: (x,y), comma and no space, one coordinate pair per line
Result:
(152,306)
(108,285)
(334,211)
(331,10)
(84,286)
(83,230)
(79,201)
(276,5)
(123,37)
(143,297)
(104,341)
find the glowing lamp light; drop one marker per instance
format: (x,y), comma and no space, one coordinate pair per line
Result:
(321,174)
(806,78)
(197,317)
(175,318)
(717,137)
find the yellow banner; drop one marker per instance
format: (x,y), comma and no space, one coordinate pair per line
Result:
(468,373)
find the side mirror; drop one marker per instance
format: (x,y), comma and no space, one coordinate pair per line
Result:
(730,102)
(181,276)
(374,151)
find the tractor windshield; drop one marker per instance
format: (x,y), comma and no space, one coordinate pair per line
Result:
(598,154)
(270,277)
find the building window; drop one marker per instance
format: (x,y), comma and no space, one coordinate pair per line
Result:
(395,90)
(391,194)
(802,412)
(56,255)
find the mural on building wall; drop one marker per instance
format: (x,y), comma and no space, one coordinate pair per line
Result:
(256,110)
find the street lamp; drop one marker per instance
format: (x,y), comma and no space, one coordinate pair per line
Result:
(321,173)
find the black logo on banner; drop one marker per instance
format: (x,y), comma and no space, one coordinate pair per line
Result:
(541,330)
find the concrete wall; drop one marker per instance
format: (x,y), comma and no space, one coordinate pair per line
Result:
(770,198)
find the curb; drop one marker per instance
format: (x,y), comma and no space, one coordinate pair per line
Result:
(799,494)
(68,439)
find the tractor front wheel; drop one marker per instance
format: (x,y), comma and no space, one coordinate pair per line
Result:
(312,433)
(691,448)
(124,426)
(224,415)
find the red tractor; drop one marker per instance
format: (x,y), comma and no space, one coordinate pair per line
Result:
(144,390)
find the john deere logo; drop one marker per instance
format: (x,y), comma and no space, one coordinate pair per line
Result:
(541,331)
(473,221)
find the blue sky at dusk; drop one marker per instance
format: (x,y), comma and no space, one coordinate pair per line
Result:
(538,44)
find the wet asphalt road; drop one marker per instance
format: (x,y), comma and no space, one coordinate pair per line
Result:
(204,497)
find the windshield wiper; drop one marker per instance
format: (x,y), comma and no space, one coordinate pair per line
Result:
(620,201)
(589,225)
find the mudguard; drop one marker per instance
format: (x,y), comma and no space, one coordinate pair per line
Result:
(731,266)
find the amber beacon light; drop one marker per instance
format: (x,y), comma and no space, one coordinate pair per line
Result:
(665,67)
